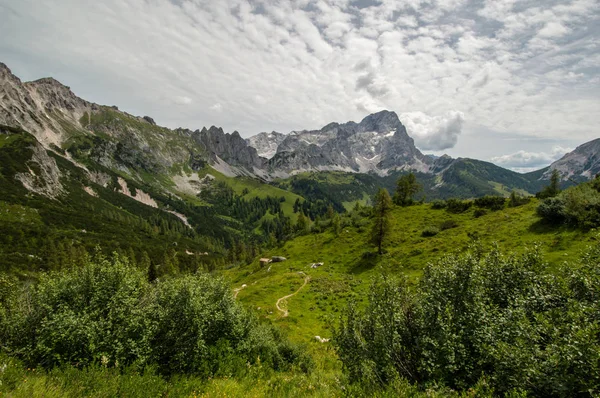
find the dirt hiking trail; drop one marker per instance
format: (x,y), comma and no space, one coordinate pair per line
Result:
(284,311)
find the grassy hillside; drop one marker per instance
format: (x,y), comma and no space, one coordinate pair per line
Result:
(350,262)
(461,178)
(250,188)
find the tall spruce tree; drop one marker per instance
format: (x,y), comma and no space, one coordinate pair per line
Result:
(381,227)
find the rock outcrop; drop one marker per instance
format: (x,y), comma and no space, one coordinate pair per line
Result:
(229,148)
(43,107)
(266,144)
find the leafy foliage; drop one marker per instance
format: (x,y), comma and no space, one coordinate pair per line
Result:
(430,231)
(458,206)
(507,318)
(493,203)
(577,206)
(406,188)
(107,312)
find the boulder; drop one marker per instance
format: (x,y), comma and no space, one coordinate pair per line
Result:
(278,259)
(149,120)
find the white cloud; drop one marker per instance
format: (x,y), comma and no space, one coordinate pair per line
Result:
(216,107)
(553,29)
(434,133)
(182,100)
(527,161)
(511,66)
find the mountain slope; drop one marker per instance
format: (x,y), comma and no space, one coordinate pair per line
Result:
(581,164)
(91,136)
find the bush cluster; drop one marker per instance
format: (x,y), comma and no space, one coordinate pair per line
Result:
(493,203)
(508,320)
(107,313)
(430,231)
(577,206)
(448,224)
(458,206)
(438,204)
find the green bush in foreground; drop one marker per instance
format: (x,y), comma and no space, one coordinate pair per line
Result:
(108,313)
(577,206)
(506,319)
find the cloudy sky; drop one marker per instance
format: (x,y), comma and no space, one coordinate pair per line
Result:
(516,82)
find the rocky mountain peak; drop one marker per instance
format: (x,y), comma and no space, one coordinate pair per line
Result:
(230,148)
(380,121)
(581,164)
(50,81)
(6,75)
(266,144)
(4,70)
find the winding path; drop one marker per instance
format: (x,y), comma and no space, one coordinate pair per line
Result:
(237,290)
(284,311)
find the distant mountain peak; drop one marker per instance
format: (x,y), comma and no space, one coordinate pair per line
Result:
(582,163)
(266,143)
(50,81)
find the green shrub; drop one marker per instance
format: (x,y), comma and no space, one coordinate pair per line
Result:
(577,206)
(438,204)
(507,320)
(448,224)
(516,200)
(430,231)
(458,206)
(479,212)
(493,203)
(108,313)
(552,210)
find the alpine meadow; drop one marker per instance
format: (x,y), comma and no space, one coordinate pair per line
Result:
(451,249)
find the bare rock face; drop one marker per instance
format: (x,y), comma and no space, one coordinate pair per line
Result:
(39,106)
(581,163)
(266,143)
(44,175)
(149,120)
(379,143)
(230,148)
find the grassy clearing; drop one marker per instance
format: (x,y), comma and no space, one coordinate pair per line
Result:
(255,189)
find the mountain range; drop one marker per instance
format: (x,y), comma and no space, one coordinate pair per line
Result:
(377,149)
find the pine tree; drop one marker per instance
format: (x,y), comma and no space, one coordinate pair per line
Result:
(170,264)
(336,224)
(131,256)
(553,189)
(317,224)
(330,212)
(381,227)
(406,187)
(152,270)
(144,262)
(301,224)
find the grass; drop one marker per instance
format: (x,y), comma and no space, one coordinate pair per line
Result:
(350,262)
(7,139)
(255,189)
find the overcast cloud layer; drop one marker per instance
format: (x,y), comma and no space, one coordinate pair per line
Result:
(485,79)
